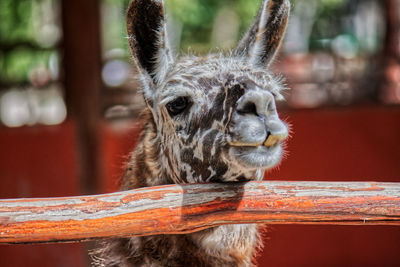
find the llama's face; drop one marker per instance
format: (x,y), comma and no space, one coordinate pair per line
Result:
(216,117)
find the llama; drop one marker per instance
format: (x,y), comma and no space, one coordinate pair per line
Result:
(207,119)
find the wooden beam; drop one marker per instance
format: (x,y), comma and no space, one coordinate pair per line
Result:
(178,209)
(82,80)
(391,45)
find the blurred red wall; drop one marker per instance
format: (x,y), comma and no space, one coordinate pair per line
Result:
(331,144)
(39,162)
(341,144)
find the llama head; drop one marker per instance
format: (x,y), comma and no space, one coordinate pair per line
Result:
(215,117)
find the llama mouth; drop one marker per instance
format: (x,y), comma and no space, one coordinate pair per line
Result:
(270,141)
(254,157)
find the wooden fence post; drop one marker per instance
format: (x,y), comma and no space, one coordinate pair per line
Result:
(177,209)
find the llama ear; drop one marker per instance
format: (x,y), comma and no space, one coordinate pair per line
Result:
(260,44)
(148,38)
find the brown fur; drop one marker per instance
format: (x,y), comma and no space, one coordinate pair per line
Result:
(225,98)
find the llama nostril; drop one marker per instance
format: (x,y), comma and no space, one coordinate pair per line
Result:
(248,108)
(259,103)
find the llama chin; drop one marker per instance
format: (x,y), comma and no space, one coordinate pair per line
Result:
(207,119)
(259,157)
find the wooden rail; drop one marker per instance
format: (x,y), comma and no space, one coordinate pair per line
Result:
(176,209)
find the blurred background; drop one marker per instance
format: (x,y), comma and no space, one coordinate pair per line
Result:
(69,106)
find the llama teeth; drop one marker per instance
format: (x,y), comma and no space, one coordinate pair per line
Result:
(271,141)
(274,139)
(245,144)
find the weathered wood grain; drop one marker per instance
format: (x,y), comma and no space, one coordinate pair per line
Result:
(172,209)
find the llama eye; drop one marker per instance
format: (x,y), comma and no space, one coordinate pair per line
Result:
(177,106)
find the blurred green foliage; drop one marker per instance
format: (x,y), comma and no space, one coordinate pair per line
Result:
(15,17)
(327,24)
(113,25)
(195,17)
(16,65)
(198,16)
(19,52)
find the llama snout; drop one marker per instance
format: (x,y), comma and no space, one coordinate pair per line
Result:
(256,121)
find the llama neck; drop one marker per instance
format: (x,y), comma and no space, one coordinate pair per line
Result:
(237,243)
(144,166)
(222,245)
